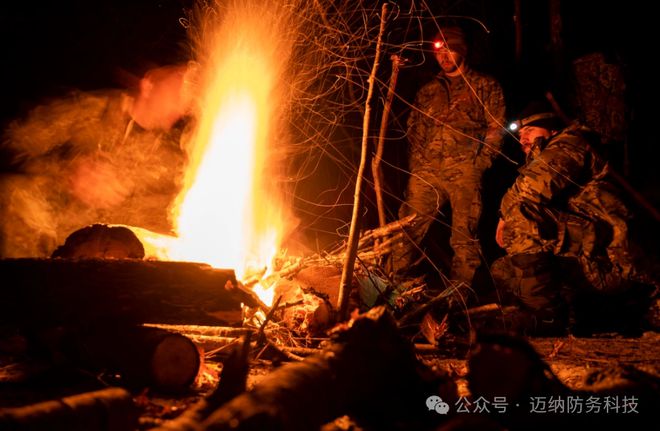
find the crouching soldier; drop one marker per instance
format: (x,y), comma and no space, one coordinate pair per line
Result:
(561,207)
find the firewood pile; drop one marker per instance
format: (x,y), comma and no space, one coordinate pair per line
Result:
(301,281)
(129,344)
(373,247)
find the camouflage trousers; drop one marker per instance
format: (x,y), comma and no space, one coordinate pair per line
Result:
(429,191)
(598,245)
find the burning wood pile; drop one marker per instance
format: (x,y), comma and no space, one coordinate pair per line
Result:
(123,307)
(202,377)
(97,308)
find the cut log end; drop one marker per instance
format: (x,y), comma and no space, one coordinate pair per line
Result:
(175,363)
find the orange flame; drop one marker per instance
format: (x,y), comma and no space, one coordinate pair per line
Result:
(226,215)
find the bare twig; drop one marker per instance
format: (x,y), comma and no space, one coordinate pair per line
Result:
(261,334)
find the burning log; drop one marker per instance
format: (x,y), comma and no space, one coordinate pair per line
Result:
(110,409)
(43,291)
(370,373)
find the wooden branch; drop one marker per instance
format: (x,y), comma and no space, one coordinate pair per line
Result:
(211,343)
(287,271)
(110,409)
(211,339)
(388,229)
(347,273)
(54,291)
(203,330)
(375,164)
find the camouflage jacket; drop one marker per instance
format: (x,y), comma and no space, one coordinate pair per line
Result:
(565,182)
(457,118)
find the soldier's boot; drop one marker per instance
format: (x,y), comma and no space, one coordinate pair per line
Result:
(543,312)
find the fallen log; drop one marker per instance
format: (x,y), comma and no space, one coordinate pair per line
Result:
(61,291)
(110,409)
(141,356)
(369,373)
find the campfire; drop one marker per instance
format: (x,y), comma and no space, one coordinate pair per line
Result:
(187,316)
(229,212)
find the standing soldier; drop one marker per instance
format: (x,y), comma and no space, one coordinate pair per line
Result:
(455,131)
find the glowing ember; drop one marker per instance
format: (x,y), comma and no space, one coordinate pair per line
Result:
(226,215)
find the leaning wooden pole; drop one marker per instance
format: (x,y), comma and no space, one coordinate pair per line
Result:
(347,273)
(375,163)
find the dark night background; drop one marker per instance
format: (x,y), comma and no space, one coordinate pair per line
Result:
(49,48)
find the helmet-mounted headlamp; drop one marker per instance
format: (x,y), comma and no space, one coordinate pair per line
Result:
(515,126)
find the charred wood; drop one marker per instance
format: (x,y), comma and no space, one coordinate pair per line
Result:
(60,291)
